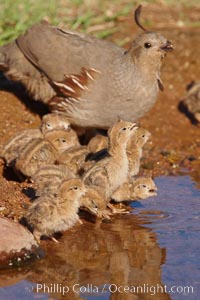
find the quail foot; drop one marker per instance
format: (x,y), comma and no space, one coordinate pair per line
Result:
(92,81)
(112,171)
(140,188)
(48,215)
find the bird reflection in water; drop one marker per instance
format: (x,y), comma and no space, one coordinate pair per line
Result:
(122,253)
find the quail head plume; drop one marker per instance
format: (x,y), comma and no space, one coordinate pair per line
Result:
(92,81)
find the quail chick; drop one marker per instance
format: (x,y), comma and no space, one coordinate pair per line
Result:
(14,146)
(134,149)
(140,188)
(36,154)
(54,121)
(48,178)
(12,149)
(191,103)
(97,143)
(62,139)
(94,202)
(41,152)
(74,158)
(112,171)
(48,215)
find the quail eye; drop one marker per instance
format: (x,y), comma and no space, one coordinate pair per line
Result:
(63,140)
(144,186)
(143,135)
(75,188)
(124,128)
(48,125)
(147,45)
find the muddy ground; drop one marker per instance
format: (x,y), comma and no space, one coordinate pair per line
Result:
(174,147)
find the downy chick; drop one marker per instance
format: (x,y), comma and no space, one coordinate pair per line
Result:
(48,215)
(48,178)
(97,143)
(112,171)
(134,150)
(74,158)
(62,139)
(13,148)
(41,152)
(140,188)
(54,121)
(94,202)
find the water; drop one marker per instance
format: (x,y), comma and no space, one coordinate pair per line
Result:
(157,247)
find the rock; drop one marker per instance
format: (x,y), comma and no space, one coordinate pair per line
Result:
(17,244)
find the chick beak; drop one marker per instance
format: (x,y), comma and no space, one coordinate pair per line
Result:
(167,47)
(153,192)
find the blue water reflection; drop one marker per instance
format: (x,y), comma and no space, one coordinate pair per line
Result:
(177,224)
(160,236)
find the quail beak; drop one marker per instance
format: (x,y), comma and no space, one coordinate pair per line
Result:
(153,192)
(167,47)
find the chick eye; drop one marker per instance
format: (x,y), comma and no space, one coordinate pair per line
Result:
(147,45)
(48,125)
(144,186)
(75,188)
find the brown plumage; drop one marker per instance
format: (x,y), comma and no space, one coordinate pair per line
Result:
(191,102)
(97,143)
(92,81)
(36,154)
(40,152)
(140,188)
(14,146)
(48,178)
(48,215)
(134,149)
(94,202)
(112,171)
(62,139)
(54,121)
(74,158)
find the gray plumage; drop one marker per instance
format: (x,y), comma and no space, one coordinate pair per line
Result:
(92,81)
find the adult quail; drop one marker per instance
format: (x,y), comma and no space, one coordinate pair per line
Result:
(92,81)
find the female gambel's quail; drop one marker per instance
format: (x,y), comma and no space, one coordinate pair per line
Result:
(92,81)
